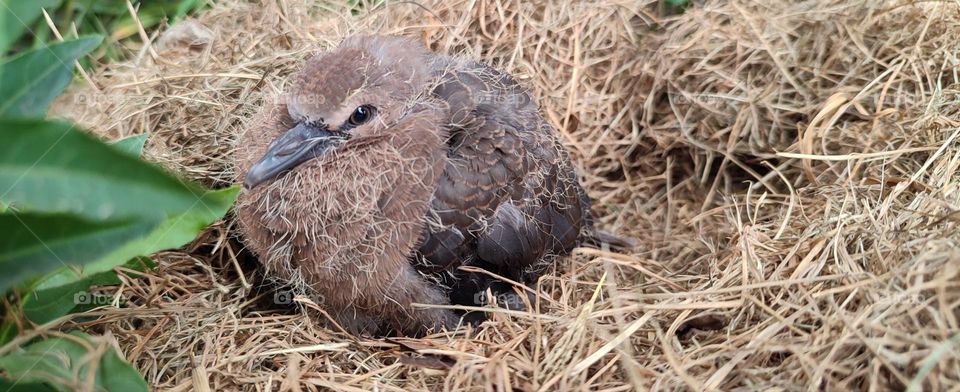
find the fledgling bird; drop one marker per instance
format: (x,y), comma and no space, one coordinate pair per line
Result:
(386,167)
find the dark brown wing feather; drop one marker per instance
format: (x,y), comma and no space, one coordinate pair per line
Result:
(509,196)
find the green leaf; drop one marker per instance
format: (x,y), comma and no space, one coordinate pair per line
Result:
(43,306)
(65,291)
(65,364)
(56,294)
(17,15)
(173,232)
(35,243)
(66,276)
(48,361)
(131,144)
(48,166)
(185,6)
(13,386)
(30,81)
(115,374)
(108,7)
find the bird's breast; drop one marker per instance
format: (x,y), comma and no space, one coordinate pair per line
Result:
(370,198)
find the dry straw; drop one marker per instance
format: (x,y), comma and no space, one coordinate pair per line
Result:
(790,169)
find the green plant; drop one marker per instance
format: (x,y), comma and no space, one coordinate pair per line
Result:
(69,362)
(72,209)
(674,7)
(108,18)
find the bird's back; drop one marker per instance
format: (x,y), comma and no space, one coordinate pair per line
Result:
(509,197)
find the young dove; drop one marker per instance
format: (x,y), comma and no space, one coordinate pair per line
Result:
(387,167)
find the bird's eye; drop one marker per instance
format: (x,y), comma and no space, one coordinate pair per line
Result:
(361,115)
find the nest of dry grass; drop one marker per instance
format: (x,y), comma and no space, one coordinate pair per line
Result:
(789,169)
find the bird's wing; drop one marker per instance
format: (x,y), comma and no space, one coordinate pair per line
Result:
(508,195)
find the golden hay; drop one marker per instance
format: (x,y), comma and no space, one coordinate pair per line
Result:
(790,170)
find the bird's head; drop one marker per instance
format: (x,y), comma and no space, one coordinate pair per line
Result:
(349,96)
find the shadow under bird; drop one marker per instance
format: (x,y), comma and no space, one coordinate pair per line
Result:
(386,167)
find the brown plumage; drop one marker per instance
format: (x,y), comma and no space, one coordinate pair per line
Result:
(387,167)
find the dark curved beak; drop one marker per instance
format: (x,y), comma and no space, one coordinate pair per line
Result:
(297,145)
